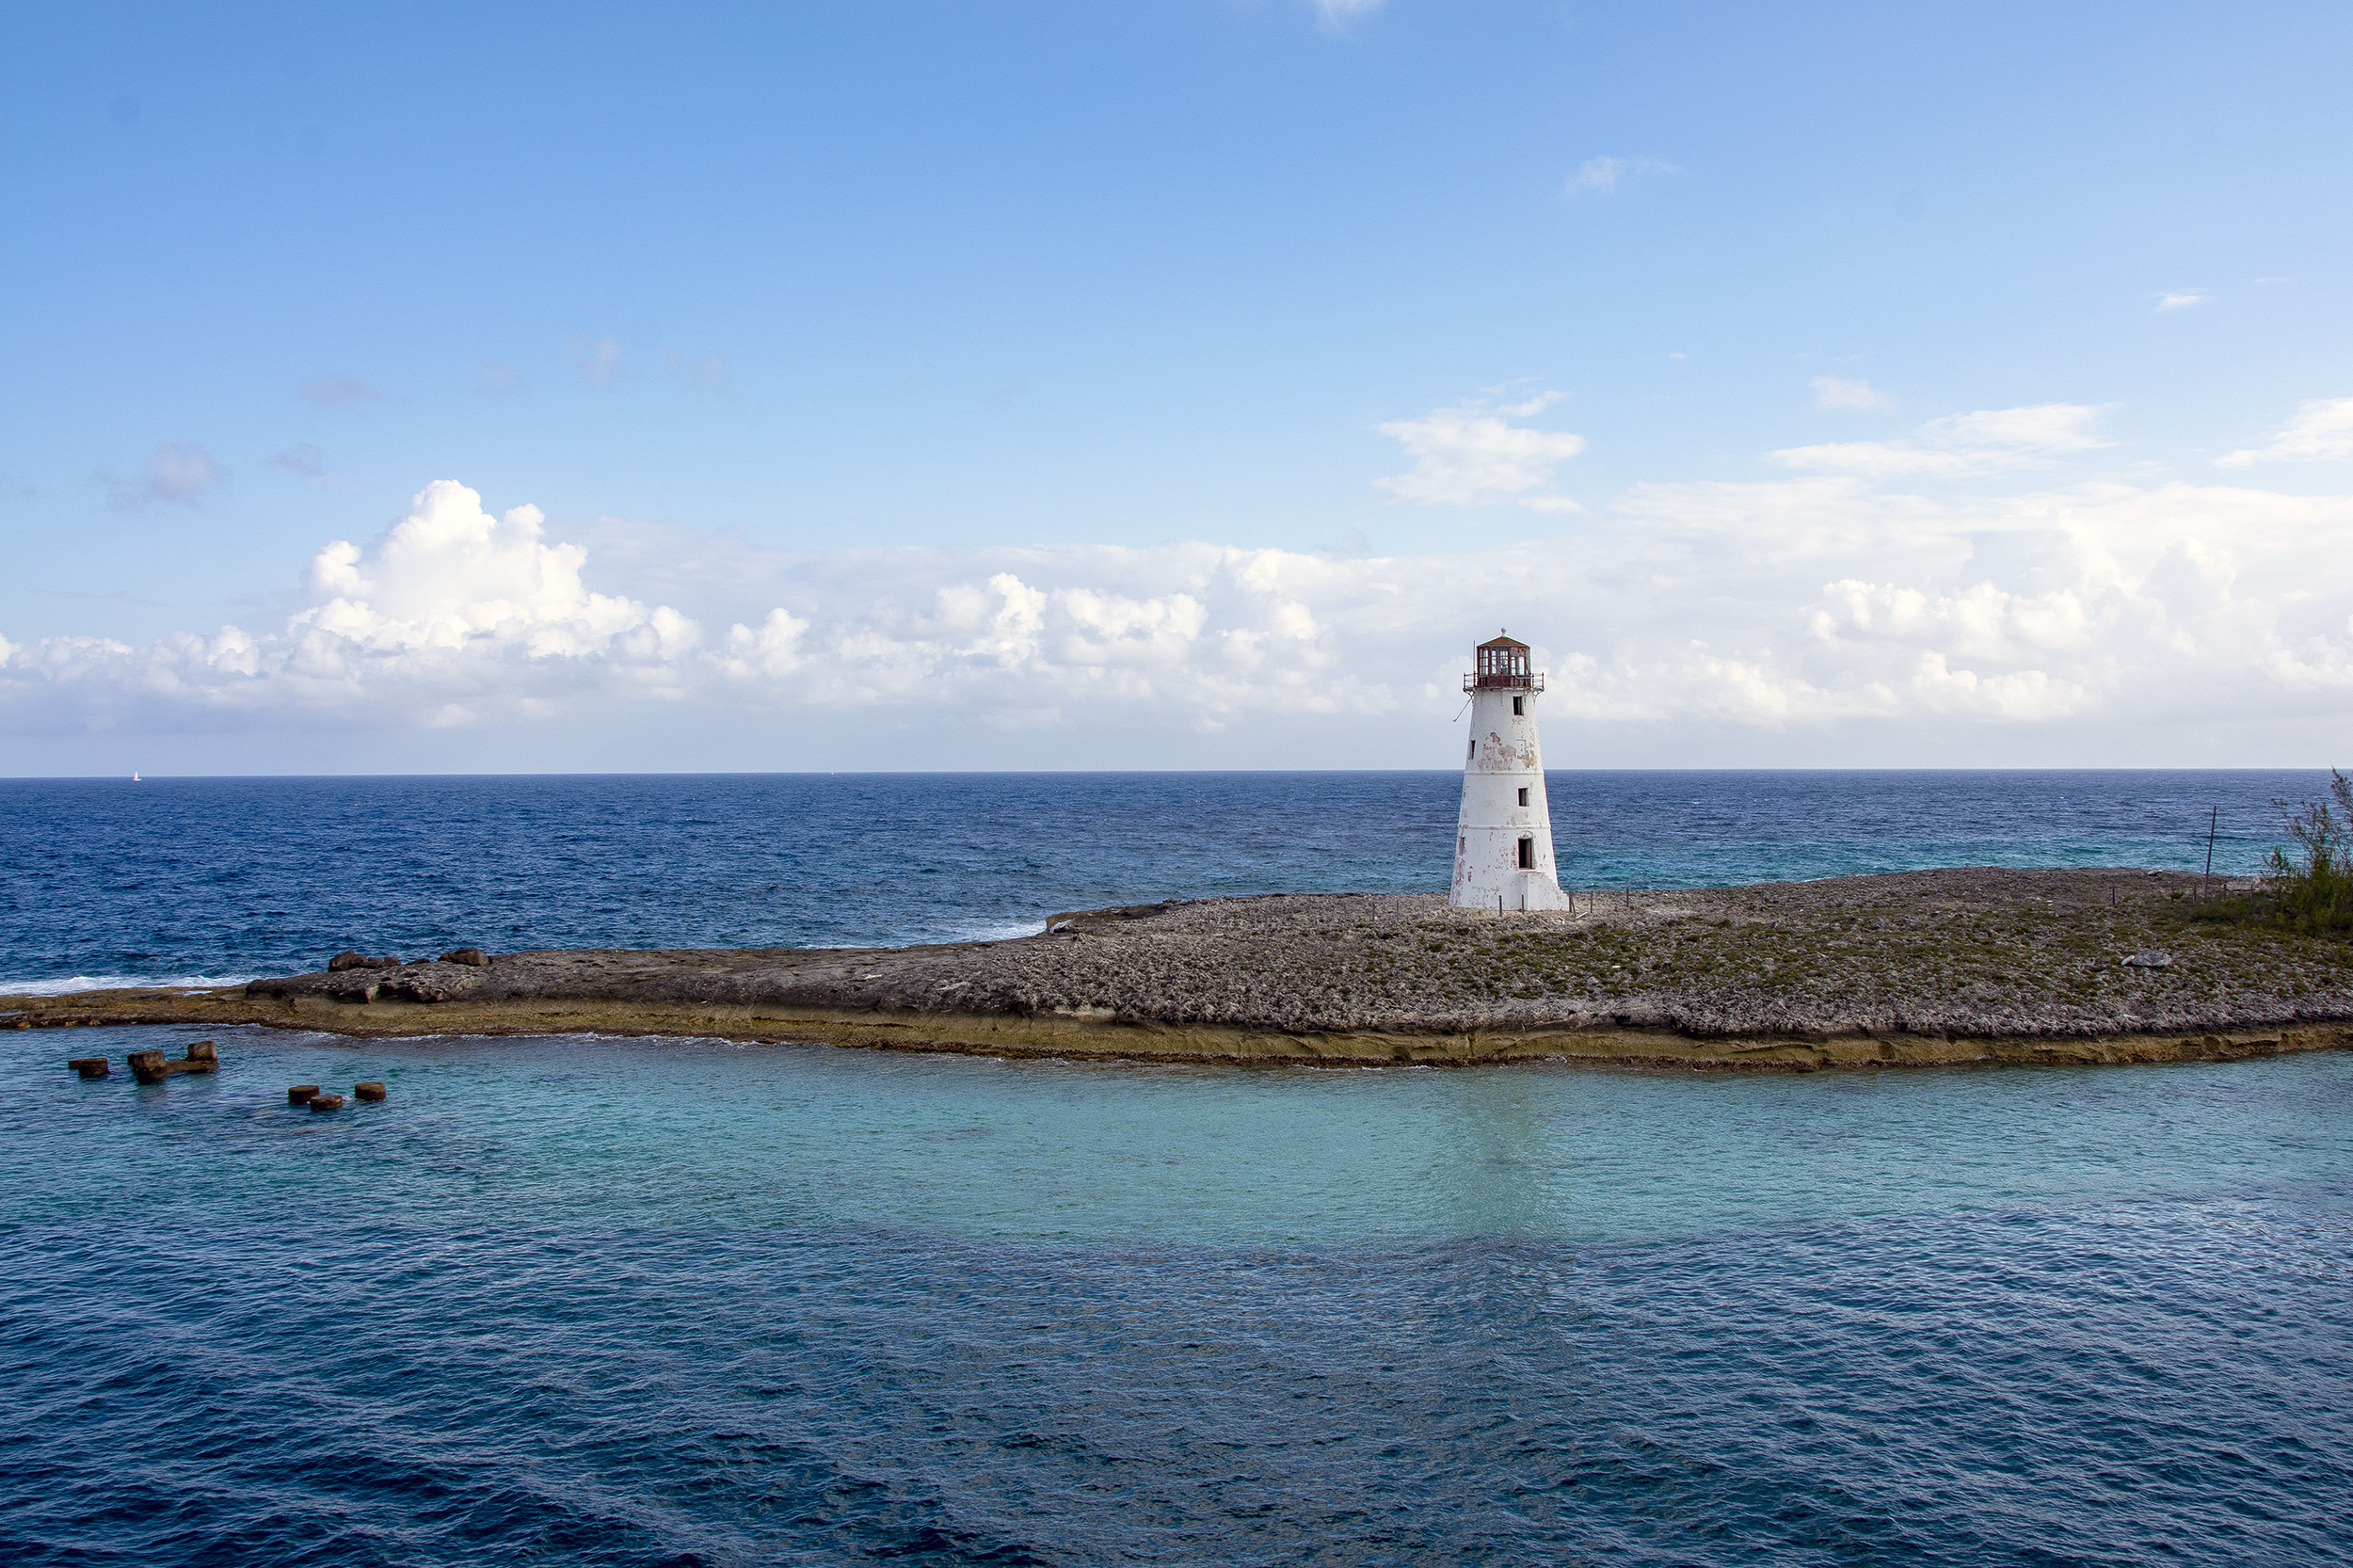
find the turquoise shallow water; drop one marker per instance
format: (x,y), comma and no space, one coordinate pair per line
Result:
(687,1302)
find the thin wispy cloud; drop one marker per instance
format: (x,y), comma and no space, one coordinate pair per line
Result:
(1602,176)
(493,378)
(337,391)
(1837,391)
(1337,14)
(1959,446)
(596,360)
(707,373)
(179,473)
(2322,430)
(305,461)
(1476,456)
(2182,299)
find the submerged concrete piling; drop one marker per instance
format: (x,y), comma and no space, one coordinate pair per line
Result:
(89,1066)
(372,1090)
(302,1094)
(327,1102)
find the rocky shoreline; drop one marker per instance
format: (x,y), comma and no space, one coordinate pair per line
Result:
(1913,969)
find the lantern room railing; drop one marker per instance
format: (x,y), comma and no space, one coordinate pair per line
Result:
(1504,680)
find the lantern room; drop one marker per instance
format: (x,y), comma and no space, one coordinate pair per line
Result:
(1503,667)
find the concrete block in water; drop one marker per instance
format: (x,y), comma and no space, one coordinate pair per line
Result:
(153,1067)
(302,1094)
(327,1102)
(372,1090)
(89,1066)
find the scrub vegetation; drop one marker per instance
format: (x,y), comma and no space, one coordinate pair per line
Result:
(2308,889)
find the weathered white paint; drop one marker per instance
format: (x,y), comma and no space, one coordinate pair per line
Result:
(1503,758)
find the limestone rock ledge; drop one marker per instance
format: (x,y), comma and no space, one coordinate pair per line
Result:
(1909,969)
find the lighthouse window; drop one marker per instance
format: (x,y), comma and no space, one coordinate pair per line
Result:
(1523,797)
(1474,748)
(1527,854)
(1519,707)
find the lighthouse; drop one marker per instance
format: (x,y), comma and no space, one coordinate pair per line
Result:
(1503,837)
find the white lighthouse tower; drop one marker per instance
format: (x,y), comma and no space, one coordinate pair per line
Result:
(1503,839)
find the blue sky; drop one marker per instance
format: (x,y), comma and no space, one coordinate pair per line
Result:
(1871,385)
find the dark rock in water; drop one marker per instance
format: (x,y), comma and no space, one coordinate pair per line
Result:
(89,1066)
(302,1094)
(327,1102)
(350,960)
(372,1090)
(473,956)
(153,1067)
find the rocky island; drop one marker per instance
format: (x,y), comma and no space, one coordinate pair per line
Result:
(1915,968)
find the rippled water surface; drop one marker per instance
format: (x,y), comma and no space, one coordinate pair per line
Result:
(688,1303)
(680,1303)
(178,878)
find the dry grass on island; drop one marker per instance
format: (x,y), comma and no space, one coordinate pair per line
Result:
(1918,967)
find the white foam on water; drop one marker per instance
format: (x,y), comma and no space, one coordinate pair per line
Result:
(118,983)
(994,933)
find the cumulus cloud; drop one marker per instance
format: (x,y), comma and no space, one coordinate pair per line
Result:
(337,391)
(1475,455)
(1837,392)
(449,585)
(2182,299)
(451,615)
(1957,446)
(177,472)
(1785,604)
(596,360)
(1602,176)
(2321,429)
(447,617)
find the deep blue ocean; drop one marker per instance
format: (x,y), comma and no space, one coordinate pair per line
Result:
(580,1300)
(181,879)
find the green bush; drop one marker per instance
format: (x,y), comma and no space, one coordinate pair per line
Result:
(2311,890)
